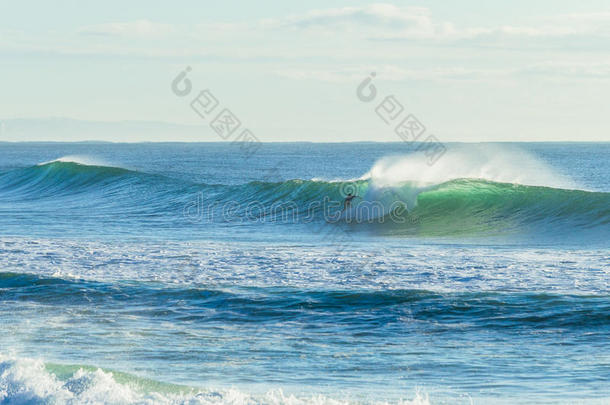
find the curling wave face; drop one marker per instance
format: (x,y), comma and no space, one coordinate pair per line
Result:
(454,207)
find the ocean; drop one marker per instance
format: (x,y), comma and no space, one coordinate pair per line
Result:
(197,273)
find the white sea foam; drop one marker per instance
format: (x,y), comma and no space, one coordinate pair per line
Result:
(80,159)
(26,381)
(206,264)
(505,164)
(403,178)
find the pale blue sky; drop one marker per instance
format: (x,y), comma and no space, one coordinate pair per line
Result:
(469,70)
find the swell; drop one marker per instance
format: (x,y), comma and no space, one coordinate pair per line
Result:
(59,185)
(456,207)
(391,310)
(61,178)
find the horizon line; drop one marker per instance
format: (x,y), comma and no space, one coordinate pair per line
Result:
(270,142)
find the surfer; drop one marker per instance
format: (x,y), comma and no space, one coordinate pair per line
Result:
(348,201)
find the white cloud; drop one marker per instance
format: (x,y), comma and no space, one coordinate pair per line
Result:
(602,16)
(556,26)
(547,70)
(140,28)
(388,72)
(297,37)
(380,20)
(388,21)
(578,70)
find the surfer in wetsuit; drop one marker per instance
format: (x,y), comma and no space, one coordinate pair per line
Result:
(348,201)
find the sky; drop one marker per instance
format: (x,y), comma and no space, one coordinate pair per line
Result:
(469,70)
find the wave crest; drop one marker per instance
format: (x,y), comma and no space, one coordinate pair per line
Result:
(390,200)
(31,381)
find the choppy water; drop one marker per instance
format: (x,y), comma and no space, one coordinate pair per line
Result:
(184,273)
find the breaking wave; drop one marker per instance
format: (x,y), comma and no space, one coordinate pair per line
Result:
(27,381)
(396,197)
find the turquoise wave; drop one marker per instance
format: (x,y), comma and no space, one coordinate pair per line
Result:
(456,207)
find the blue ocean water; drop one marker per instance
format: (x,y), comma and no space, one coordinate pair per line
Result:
(190,273)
